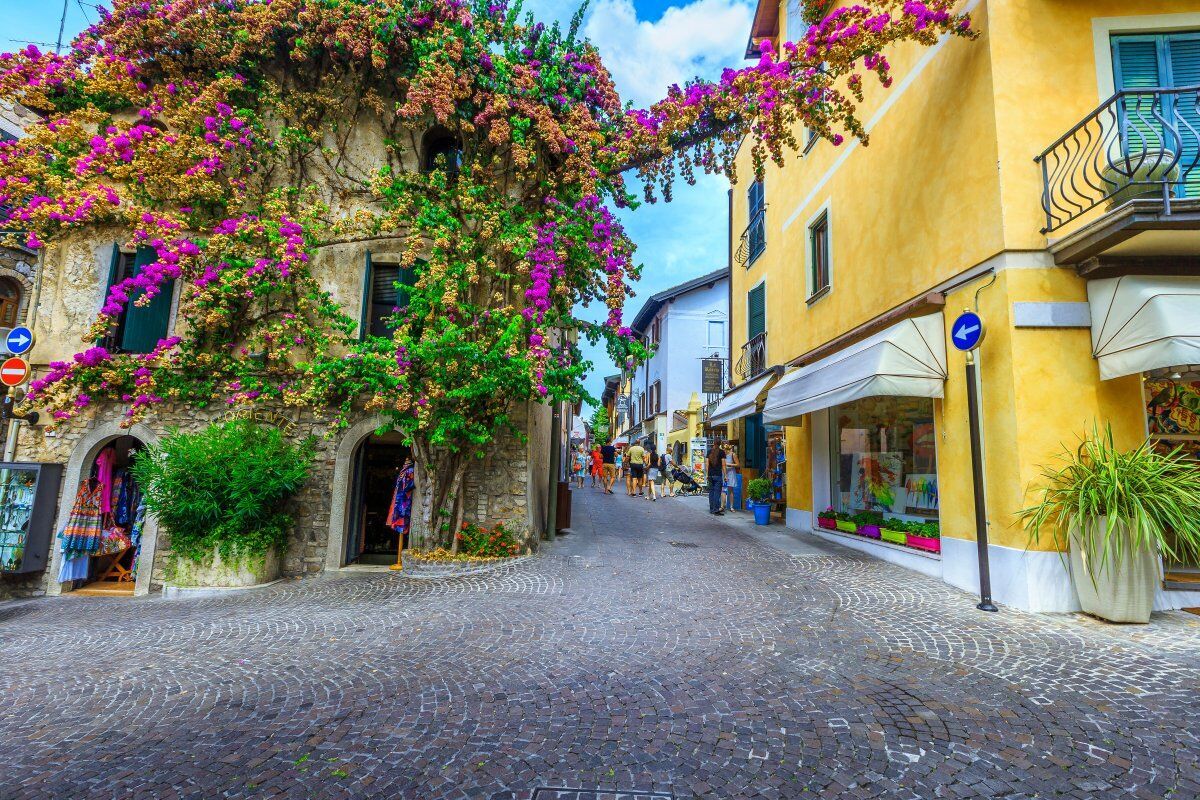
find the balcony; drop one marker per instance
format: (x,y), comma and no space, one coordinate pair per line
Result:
(1128,168)
(753,240)
(754,358)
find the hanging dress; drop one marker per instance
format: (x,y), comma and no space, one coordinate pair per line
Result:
(83,533)
(400,512)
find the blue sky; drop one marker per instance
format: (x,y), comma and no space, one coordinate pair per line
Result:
(647,45)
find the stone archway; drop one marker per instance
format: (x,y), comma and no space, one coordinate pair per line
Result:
(81,457)
(343,469)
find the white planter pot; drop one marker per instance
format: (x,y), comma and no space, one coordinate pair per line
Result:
(218,573)
(1120,591)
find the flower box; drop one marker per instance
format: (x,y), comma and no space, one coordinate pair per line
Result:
(930,544)
(847,526)
(828,523)
(896,537)
(869,531)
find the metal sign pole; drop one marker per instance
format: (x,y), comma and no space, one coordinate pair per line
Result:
(981,532)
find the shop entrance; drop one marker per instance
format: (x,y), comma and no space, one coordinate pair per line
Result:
(103,536)
(377,465)
(1172,399)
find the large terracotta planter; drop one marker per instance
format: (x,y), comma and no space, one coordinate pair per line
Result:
(1120,592)
(217,573)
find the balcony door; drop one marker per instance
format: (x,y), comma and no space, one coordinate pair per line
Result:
(1160,123)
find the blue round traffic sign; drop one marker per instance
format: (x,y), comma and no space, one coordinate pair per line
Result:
(19,340)
(967,331)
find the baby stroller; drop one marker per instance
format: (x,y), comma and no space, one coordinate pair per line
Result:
(687,484)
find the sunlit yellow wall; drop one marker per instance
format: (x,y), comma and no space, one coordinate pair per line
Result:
(947,183)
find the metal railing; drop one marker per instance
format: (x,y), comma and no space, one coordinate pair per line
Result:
(754,358)
(1140,143)
(753,240)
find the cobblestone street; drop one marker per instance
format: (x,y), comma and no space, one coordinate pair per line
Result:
(654,648)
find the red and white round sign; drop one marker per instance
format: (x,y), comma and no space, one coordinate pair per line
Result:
(14,371)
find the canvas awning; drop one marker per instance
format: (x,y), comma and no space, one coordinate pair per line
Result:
(743,400)
(906,360)
(1144,322)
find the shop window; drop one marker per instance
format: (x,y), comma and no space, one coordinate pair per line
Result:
(138,328)
(1173,421)
(818,255)
(385,290)
(441,150)
(10,302)
(884,457)
(716,333)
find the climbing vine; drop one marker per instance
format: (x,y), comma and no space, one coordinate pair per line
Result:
(244,141)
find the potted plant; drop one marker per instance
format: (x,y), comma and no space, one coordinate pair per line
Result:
(1142,176)
(845,522)
(221,494)
(894,531)
(1114,513)
(867,523)
(758,490)
(924,536)
(827,519)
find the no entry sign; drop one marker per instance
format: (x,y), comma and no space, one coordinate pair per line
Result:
(14,371)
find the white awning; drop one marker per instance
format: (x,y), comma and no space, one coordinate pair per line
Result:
(906,360)
(1143,322)
(743,400)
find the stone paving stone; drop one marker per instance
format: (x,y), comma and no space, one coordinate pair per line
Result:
(615,662)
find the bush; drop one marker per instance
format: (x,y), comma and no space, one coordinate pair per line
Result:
(867,518)
(759,489)
(499,542)
(224,488)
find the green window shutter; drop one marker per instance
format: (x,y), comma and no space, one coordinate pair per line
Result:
(1183,60)
(756,308)
(146,325)
(364,321)
(1136,66)
(1135,62)
(113,266)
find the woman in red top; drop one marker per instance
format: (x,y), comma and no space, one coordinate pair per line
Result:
(597,465)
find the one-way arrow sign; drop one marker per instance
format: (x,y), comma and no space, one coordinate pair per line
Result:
(967,331)
(19,340)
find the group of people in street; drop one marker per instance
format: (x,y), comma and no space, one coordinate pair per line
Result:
(647,473)
(644,471)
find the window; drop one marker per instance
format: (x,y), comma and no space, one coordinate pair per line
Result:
(716,333)
(441,150)
(656,398)
(138,328)
(10,302)
(656,331)
(385,289)
(818,255)
(756,230)
(884,457)
(1167,61)
(756,311)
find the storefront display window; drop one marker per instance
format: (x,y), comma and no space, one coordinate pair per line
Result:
(884,457)
(1173,413)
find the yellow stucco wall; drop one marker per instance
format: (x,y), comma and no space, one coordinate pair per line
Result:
(948,183)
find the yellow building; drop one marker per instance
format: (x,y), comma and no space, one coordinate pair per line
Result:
(1043,175)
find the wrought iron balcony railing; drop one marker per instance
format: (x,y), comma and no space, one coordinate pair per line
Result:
(753,240)
(754,358)
(1140,143)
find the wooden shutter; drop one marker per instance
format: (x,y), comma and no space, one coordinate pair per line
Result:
(1136,66)
(756,311)
(146,325)
(1183,60)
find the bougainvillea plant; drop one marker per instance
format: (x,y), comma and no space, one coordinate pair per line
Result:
(245,140)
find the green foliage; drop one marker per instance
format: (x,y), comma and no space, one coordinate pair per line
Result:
(1147,501)
(758,489)
(600,425)
(499,542)
(867,518)
(224,487)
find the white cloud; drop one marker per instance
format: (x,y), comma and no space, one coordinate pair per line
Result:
(644,57)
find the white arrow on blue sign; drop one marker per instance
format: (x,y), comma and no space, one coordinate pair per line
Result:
(19,340)
(967,331)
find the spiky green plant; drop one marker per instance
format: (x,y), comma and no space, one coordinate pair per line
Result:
(1148,501)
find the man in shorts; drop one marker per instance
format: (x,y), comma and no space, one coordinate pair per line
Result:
(608,465)
(636,456)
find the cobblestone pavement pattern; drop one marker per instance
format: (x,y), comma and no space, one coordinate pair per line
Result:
(616,660)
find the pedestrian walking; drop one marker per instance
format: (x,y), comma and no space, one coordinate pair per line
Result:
(653,474)
(730,475)
(581,463)
(608,458)
(636,457)
(666,466)
(597,467)
(716,466)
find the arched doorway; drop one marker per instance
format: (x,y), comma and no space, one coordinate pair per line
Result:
(10,302)
(376,464)
(102,547)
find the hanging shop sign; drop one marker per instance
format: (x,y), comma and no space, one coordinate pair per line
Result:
(262,417)
(711,372)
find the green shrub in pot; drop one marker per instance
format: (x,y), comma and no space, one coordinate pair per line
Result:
(758,489)
(1114,513)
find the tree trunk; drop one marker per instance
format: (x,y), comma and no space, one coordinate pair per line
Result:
(438,502)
